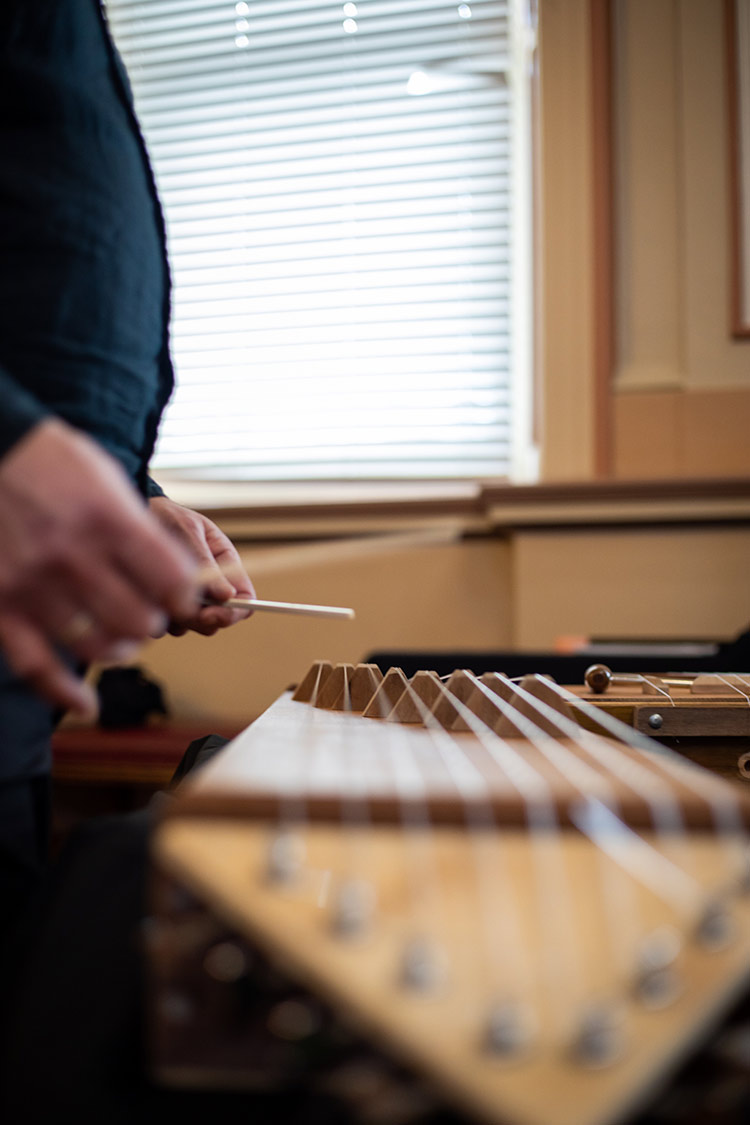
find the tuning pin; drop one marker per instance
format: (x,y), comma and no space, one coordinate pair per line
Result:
(293,1020)
(716,928)
(420,968)
(597,678)
(286,854)
(743,880)
(176,1008)
(599,1040)
(657,982)
(353,907)
(226,962)
(508,1030)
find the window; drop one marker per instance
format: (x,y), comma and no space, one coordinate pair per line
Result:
(346,193)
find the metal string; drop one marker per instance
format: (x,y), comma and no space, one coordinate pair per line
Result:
(662,800)
(564,971)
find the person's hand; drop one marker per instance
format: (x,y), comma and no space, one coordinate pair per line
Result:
(84,566)
(222,574)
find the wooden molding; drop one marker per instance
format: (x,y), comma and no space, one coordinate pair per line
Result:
(497,507)
(621,491)
(602,121)
(739,327)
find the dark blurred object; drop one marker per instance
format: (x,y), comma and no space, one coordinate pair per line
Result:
(200,751)
(569,668)
(127,698)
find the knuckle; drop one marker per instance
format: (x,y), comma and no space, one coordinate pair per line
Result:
(63,554)
(94,517)
(191,519)
(32,666)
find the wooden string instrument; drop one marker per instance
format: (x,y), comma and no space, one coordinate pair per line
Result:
(509,890)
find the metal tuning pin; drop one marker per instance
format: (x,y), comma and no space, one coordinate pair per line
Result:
(508,1031)
(743,879)
(286,855)
(420,967)
(176,1007)
(657,981)
(226,962)
(597,678)
(294,1020)
(353,907)
(600,1038)
(716,927)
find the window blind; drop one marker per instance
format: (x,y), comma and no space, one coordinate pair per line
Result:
(341,190)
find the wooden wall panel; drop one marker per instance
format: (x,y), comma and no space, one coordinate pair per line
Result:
(667,582)
(691,433)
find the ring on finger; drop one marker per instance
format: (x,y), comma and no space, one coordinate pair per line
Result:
(80,626)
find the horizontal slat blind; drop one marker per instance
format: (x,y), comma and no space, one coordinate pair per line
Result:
(338,184)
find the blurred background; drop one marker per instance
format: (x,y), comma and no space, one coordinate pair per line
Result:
(461,320)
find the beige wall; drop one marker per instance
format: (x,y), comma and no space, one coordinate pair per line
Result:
(632,583)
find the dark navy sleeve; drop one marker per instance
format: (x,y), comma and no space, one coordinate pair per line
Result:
(153,489)
(20,411)
(84,280)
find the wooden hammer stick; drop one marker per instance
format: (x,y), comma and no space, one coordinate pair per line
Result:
(255,604)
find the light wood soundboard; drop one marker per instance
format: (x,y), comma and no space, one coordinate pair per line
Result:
(541,917)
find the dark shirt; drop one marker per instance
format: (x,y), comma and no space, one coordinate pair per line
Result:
(84,282)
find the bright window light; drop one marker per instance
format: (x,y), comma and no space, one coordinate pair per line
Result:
(347,218)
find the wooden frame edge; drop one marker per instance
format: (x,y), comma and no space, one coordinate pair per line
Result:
(739,328)
(603,265)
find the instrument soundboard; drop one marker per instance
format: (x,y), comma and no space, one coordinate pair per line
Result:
(517,897)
